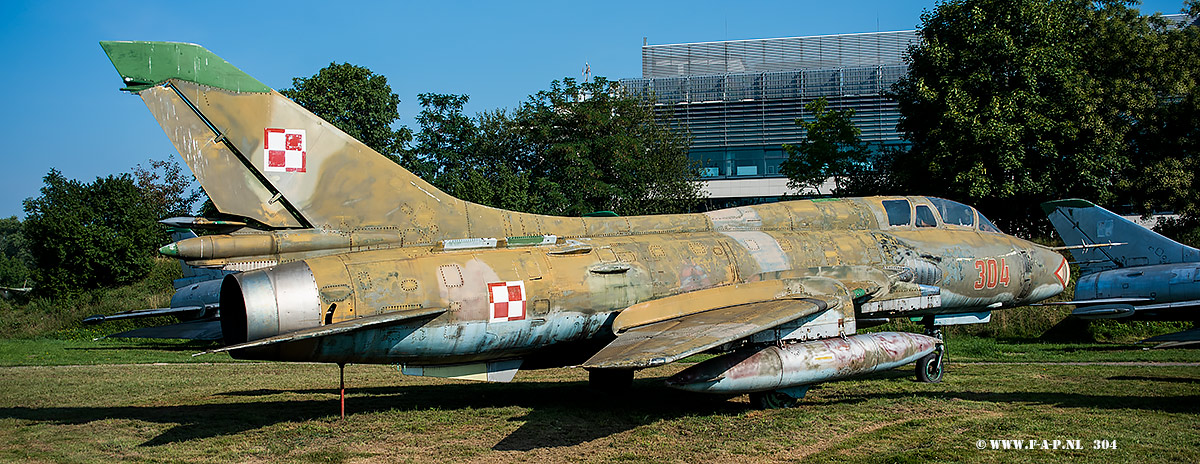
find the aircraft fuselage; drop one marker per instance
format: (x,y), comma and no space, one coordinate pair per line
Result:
(570,291)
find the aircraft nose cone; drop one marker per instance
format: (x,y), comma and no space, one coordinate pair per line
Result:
(1063,273)
(1051,274)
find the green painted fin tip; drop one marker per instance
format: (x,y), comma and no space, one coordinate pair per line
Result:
(146,64)
(1049,206)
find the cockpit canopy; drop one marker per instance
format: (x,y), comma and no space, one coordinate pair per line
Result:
(901,212)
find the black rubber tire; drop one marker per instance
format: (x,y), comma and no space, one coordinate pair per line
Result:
(930,368)
(772,400)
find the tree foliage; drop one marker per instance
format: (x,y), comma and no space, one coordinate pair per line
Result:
(576,148)
(1166,140)
(1011,103)
(167,188)
(357,101)
(90,235)
(15,260)
(831,147)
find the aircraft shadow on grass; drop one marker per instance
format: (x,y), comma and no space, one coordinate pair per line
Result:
(1170,404)
(1147,378)
(561,414)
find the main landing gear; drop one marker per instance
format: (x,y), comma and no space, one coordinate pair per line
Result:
(929,367)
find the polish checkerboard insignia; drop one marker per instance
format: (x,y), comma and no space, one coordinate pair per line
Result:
(284,150)
(507,300)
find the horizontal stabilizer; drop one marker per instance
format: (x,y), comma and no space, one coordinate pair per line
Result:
(671,340)
(336,329)
(181,310)
(1177,339)
(207,329)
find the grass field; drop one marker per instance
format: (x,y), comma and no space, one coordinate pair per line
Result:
(98,411)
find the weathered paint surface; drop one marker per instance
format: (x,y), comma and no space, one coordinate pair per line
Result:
(776,367)
(352,235)
(569,300)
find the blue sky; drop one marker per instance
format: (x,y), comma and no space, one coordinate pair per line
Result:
(63,109)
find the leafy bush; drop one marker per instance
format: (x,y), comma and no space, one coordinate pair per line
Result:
(86,236)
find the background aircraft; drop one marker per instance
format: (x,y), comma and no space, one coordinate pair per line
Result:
(411,275)
(1127,271)
(195,303)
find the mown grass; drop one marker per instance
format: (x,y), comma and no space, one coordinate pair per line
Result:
(288,412)
(65,397)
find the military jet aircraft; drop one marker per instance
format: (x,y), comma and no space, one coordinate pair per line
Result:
(450,288)
(1127,271)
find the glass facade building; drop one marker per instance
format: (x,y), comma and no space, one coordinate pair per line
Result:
(740,99)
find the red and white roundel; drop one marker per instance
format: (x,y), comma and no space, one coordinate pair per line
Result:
(284,150)
(507,300)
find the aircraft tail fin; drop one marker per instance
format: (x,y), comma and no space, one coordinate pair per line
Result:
(261,156)
(1082,224)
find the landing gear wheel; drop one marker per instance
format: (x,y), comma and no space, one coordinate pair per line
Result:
(772,400)
(929,367)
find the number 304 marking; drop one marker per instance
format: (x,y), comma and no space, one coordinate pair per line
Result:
(991,273)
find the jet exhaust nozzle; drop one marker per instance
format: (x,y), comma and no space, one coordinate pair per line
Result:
(267,302)
(775,367)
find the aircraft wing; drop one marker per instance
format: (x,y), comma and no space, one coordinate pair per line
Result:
(336,329)
(669,341)
(656,332)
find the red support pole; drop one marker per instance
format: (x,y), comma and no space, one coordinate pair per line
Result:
(342,370)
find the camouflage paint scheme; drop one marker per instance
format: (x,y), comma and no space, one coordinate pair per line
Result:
(357,260)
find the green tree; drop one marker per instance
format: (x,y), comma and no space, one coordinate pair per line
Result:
(479,160)
(357,101)
(89,235)
(832,147)
(167,188)
(15,260)
(1166,141)
(570,150)
(594,147)
(1011,103)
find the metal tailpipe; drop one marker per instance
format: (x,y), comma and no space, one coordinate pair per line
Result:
(268,302)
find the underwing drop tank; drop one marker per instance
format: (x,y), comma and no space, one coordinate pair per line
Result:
(777,367)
